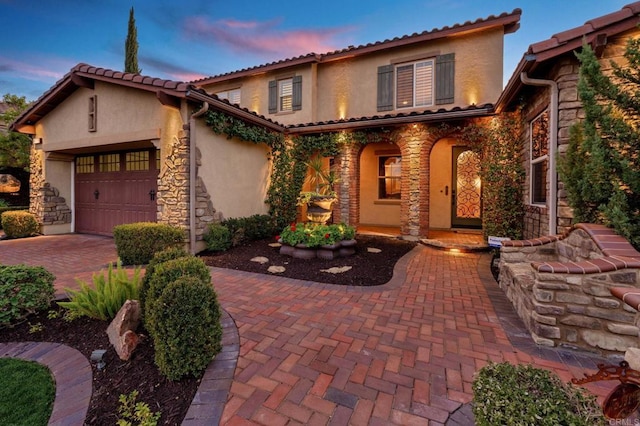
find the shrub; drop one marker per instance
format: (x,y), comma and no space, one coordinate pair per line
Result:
(217,237)
(504,394)
(106,297)
(158,258)
(188,331)
(251,228)
(131,411)
(136,243)
(315,235)
(164,274)
(24,290)
(19,224)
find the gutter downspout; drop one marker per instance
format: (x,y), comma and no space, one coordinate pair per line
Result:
(193,176)
(553,145)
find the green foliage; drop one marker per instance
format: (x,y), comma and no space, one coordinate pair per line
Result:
(170,253)
(27,392)
(136,243)
(187,332)
(499,144)
(14,146)
(23,290)
(601,168)
(133,412)
(217,237)
(251,228)
(131,46)
(104,299)
(315,235)
(504,394)
(19,224)
(164,274)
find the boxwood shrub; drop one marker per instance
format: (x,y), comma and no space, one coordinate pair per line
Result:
(251,228)
(136,243)
(506,394)
(217,237)
(187,328)
(158,258)
(19,224)
(24,290)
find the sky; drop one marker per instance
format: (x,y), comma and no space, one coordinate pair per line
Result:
(191,39)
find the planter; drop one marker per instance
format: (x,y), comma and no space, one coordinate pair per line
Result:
(327,251)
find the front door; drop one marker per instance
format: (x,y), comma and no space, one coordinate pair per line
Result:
(466,199)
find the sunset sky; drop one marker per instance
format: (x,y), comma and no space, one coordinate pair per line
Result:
(190,39)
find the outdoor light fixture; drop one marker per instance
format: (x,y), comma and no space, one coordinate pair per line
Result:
(97,357)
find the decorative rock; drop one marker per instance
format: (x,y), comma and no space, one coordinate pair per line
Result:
(373,250)
(626,329)
(608,341)
(336,269)
(275,245)
(260,259)
(121,331)
(276,269)
(632,356)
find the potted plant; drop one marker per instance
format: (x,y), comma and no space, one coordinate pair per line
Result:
(319,201)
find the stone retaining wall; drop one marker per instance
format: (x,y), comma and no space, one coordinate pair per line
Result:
(573,310)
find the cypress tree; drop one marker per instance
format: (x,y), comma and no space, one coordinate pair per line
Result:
(601,168)
(131,47)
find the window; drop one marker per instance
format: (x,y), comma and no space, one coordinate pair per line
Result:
(414,84)
(418,84)
(539,135)
(285,95)
(137,161)
(84,164)
(93,113)
(389,172)
(109,162)
(233,96)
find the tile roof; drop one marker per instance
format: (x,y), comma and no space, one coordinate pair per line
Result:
(510,22)
(594,31)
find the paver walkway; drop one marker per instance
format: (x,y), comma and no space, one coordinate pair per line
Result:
(402,353)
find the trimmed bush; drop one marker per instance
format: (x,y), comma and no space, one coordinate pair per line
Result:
(164,274)
(251,228)
(158,258)
(506,394)
(19,224)
(217,237)
(24,290)
(136,243)
(104,299)
(188,332)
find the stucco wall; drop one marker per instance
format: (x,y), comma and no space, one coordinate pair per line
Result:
(372,210)
(236,173)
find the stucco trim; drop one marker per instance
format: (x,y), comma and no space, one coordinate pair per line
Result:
(139,135)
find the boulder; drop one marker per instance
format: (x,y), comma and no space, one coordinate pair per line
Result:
(122,329)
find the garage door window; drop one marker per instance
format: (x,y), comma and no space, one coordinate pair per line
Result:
(109,163)
(84,164)
(137,161)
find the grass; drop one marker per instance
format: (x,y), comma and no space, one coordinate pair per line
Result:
(26,394)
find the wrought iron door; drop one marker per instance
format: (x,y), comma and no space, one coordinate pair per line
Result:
(466,195)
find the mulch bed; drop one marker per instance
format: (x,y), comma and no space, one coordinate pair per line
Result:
(173,399)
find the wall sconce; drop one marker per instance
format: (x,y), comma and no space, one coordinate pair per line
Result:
(97,357)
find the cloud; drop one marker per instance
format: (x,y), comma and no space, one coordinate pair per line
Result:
(45,71)
(262,38)
(173,71)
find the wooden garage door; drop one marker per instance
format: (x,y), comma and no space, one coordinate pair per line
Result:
(114,188)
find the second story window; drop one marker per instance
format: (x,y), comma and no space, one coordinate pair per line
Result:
(233,96)
(414,84)
(285,95)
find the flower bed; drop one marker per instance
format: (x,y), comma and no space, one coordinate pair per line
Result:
(310,240)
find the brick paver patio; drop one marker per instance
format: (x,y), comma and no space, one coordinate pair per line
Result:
(403,353)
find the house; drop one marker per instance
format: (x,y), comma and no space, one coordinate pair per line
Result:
(113,147)
(544,84)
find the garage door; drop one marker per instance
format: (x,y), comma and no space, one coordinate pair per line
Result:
(115,188)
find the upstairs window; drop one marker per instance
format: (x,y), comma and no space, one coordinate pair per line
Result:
(233,96)
(419,84)
(539,136)
(285,95)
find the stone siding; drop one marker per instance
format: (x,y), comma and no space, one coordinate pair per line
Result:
(45,202)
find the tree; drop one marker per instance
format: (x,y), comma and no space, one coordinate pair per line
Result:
(601,168)
(14,146)
(131,47)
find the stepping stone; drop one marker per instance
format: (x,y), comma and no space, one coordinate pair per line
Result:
(275,245)
(260,259)
(373,250)
(276,269)
(336,269)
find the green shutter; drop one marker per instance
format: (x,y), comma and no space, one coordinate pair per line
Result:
(297,93)
(385,88)
(445,76)
(273,97)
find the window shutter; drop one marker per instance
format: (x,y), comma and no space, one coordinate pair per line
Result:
(297,93)
(445,74)
(385,88)
(273,97)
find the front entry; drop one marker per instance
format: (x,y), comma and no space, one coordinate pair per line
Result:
(113,189)
(466,199)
